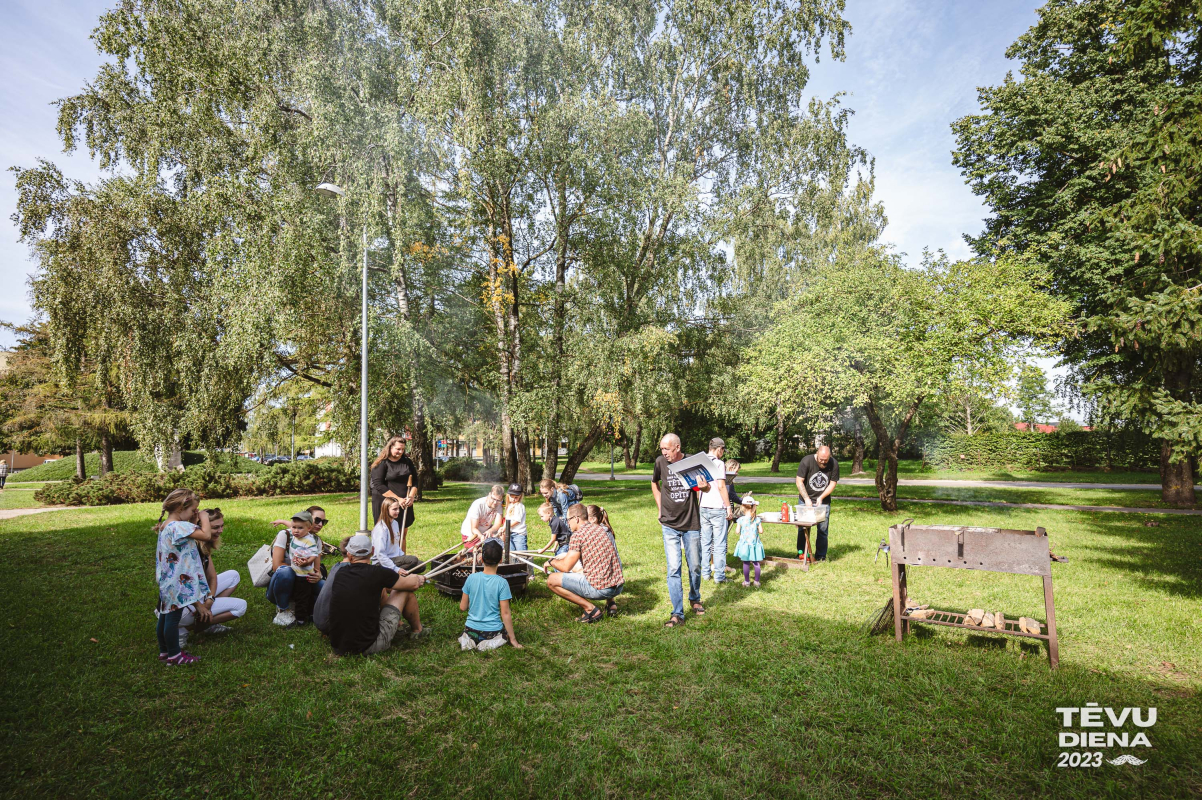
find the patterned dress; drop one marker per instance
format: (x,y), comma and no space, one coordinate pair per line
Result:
(181,574)
(749,548)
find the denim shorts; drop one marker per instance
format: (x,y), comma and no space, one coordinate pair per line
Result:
(577,584)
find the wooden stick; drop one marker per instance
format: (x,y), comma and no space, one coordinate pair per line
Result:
(531,563)
(443,553)
(447,567)
(532,554)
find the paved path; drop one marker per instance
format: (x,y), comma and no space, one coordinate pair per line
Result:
(947,484)
(1189,512)
(12,513)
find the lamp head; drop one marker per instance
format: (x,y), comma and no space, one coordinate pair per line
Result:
(330,190)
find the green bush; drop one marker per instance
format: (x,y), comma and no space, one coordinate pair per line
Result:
(306,477)
(1106,450)
(126,461)
(462,469)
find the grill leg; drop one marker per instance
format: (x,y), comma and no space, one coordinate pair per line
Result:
(900,627)
(1049,607)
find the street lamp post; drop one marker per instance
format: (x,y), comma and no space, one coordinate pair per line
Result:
(333,190)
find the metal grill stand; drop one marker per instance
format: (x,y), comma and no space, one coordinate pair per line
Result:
(960,547)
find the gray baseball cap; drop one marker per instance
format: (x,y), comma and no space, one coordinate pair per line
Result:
(359,546)
(715,443)
(303,516)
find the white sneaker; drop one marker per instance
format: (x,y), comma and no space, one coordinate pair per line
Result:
(492,644)
(183,638)
(466,643)
(284,618)
(218,628)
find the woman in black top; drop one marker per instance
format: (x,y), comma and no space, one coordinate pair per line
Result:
(393,475)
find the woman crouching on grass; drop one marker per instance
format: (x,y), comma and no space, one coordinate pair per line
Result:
(182,582)
(222,606)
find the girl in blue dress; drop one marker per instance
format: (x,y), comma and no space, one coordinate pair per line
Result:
(750,550)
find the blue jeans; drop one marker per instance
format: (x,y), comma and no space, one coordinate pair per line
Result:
(167,630)
(279,590)
(819,553)
(713,543)
(517,541)
(691,541)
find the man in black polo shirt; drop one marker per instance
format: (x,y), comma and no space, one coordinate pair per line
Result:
(817,477)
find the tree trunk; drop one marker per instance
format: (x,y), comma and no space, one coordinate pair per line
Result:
(857,458)
(638,442)
(577,456)
(780,438)
(81,469)
(887,449)
(106,453)
(521,446)
(627,458)
(423,448)
(1176,480)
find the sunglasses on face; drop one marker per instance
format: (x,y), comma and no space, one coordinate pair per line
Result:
(319,520)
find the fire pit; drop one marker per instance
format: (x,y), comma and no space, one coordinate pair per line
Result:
(451,582)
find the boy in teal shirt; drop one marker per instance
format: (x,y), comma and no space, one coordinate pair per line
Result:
(486,599)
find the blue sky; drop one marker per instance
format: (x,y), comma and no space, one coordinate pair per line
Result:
(912,67)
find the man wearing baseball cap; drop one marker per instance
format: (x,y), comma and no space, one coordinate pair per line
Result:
(349,609)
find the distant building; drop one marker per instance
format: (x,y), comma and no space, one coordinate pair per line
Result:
(1041,428)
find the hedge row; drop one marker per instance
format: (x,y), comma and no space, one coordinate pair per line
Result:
(306,477)
(1125,450)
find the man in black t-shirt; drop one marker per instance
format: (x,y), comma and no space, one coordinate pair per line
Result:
(680,519)
(817,477)
(349,611)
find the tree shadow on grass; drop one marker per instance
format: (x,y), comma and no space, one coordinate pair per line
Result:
(1166,558)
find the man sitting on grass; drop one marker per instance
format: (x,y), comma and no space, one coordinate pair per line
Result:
(486,599)
(349,609)
(601,579)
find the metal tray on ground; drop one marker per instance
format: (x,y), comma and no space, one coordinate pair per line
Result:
(451,582)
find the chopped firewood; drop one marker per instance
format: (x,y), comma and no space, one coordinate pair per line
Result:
(987,620)
(974,616)
(999,621)
(1028,625)
(921,613)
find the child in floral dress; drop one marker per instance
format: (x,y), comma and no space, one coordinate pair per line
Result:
(750,550)
(181,574)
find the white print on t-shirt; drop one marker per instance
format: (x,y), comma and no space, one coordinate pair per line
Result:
(819,481)
(678,490)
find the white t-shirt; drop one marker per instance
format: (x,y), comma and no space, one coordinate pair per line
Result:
(711,498)
(479,511)
(516,514)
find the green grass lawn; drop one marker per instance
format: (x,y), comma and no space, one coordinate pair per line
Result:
(774,692)
(911,468)
(128,461)
(19,495)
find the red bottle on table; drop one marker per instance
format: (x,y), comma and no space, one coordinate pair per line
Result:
(784,512)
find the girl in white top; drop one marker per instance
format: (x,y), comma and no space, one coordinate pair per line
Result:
(483,518)
(515,513)
(387,538)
